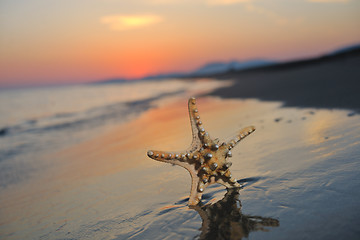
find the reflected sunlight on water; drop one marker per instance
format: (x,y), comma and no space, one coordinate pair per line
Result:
(39,121)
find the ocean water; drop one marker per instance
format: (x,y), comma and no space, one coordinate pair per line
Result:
(300,168)
(37,121)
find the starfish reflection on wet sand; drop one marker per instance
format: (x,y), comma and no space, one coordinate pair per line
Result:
(224,219)
(206,159)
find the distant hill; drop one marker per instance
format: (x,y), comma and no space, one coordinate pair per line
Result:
(338,54)
(210,68)
(330,81)
(345,50)
(221,69)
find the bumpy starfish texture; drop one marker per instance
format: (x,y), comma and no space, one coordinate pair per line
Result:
(205,159)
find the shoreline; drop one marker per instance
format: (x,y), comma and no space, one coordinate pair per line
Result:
(333,84)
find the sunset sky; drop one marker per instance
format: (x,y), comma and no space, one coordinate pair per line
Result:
(67,41)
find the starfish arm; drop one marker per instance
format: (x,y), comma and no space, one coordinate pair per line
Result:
(181,159)
(229,183)
(169,157)
(196,128)
(198,187)
(195,194)
(240,136)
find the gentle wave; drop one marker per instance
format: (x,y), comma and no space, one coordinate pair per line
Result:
(38,121)
(92,117)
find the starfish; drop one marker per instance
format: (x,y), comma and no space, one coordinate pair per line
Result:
(205,159)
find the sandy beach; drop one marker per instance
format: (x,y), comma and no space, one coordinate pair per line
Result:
(300,171)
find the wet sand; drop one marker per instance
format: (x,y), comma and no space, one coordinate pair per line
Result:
(300,169)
